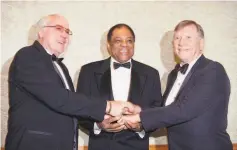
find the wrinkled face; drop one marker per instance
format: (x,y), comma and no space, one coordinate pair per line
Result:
(121,46)
(188,44)
(55,35)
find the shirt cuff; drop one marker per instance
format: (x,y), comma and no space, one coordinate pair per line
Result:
(141,134)
(97,129)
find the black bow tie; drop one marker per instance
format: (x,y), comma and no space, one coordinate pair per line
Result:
(55,58)
(125,65)
(182,69)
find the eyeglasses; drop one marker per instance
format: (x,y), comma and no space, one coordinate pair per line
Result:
(60,29)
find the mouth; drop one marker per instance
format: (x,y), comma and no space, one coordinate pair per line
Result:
(124,51)
(61,43)
(183,49)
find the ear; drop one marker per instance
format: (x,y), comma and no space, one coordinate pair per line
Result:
(40,34)
(202,44)
(109,48)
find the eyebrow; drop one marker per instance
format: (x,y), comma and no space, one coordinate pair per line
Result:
(126,38)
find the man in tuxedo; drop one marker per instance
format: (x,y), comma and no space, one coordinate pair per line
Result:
(119,77)
(43,104)
(196,98)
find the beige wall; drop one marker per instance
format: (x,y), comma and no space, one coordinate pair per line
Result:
(152,23)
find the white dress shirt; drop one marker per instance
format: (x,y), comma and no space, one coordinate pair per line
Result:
(120,82)
(178,83)
(60,71)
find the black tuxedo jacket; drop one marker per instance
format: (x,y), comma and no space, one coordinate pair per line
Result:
(41,109)
(145,91)
(197,119)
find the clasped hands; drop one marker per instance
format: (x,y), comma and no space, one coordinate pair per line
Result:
(121,116)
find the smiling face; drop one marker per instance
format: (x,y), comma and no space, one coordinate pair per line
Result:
(55,35)
(188,43)
(121,45)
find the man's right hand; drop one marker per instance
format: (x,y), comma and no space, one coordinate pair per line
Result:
(112,124)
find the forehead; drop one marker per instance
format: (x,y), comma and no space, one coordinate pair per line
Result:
(58,20)
(187,30)
(120,32)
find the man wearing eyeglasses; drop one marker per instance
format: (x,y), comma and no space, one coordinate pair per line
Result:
(43,104)
(119,77)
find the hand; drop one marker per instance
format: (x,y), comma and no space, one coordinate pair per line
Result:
(112,124)
(132,119)
(132,122)
(136,109)
(137,127)
(117,108)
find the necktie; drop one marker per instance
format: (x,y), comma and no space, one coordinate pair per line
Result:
(125,65)
(182,69)
(55,58)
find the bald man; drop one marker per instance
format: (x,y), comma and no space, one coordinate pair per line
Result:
(43,106)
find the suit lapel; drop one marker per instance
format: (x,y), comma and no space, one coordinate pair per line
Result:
(103,80)
(68,78)
(137,84)
(48,60)
(171,79)
(199,63)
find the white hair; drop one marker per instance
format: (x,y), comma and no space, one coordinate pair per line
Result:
(44,21)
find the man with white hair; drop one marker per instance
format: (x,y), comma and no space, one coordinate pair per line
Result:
(196,98)
(43,104)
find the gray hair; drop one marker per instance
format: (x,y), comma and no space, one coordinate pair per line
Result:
(44,21)
(39,25)
(185,23)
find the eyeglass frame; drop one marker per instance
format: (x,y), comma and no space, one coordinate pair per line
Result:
(68,31)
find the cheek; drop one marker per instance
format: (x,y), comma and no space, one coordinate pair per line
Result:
(114,50)
(175,45)
(132,53)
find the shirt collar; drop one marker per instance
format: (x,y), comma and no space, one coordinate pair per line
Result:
(192,63)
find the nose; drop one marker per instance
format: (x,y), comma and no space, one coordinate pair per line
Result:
(181,41)
(64,35)
(124,43)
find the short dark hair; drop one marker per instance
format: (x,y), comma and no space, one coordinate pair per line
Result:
(118,26)
(185,23)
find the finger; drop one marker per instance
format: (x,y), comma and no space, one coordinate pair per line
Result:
(107,116)
(128,125)
(132,125)
(125,127)
(114,119)
(137,109)
(126,111)
(128,107)
(125,118)
(121,121)
(115,126)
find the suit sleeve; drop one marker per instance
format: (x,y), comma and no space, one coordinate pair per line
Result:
(211,87)
(156,95)
(37,80)
(83,86)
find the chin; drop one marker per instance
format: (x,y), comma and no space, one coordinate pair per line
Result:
(182,59)
(60,50)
